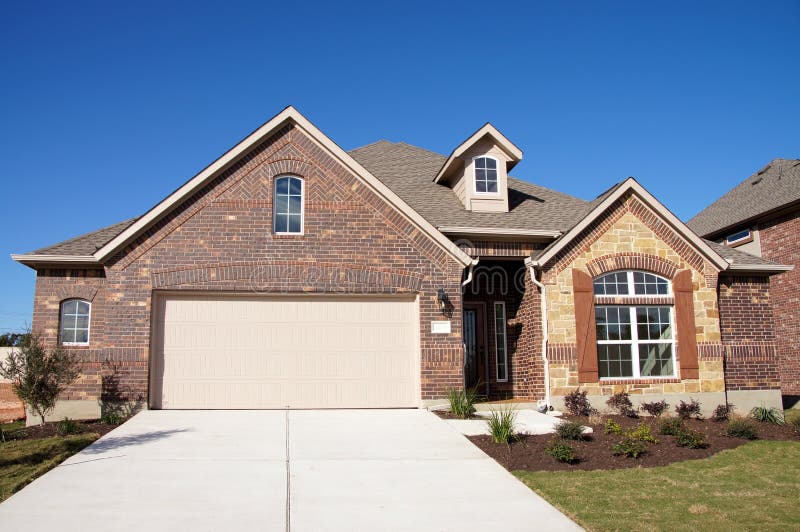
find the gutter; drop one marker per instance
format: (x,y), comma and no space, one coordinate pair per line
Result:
(469,275)
(532,265)
(31,259)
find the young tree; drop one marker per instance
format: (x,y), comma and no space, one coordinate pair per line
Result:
(39,375)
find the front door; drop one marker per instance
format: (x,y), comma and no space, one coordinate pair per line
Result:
(474,347)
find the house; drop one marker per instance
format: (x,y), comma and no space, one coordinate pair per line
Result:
(290,273)
(761,216)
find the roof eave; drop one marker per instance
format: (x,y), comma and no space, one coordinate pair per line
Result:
(492,231)
(32,260)
(759,268)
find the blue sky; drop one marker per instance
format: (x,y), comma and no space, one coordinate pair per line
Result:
(107,107)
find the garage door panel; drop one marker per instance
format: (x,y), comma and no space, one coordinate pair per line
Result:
(273,353)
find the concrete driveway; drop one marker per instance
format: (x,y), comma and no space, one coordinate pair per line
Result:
(305,470)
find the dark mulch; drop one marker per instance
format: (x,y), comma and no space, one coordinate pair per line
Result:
(595,453)
(446,414)
(49,429)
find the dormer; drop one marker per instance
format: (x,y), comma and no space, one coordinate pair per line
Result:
(477,170)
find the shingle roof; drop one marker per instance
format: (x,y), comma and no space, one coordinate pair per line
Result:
(735,256)
(85,244)
(409,172)
(774,186)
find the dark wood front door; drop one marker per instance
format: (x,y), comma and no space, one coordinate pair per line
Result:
(474,346)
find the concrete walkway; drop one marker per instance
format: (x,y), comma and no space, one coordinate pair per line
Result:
(272,470)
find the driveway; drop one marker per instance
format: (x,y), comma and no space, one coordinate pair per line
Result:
(256,470)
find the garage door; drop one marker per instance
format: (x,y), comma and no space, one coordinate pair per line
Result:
(302,352)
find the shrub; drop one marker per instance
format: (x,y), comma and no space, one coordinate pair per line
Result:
(794,423)
(112,418)
(723,412)
(656,408)
(577,404)
(691,439)
(642,433)
(561,451)
(502,425)
(767,415)
(671,426)
(621,402)
(612,427)
(462,402)
(67,426)
(689,410)
(570,430)
(741,428)
(630,447)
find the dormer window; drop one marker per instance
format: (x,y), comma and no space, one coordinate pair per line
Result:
(485,175)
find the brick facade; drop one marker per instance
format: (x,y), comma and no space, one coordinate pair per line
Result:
(221,239)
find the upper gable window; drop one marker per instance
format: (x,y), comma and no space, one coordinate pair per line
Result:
(289,208)
(739,237)
(631,283)
(74,324)
(485,174)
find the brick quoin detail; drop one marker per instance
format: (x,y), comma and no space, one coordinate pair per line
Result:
(632,261)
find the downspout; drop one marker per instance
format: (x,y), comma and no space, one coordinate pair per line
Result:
(532,265)
(469,275)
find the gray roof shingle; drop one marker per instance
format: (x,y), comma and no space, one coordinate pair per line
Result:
(85,244)
(774,186)
(735,256)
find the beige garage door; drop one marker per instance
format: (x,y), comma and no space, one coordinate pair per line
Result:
(301,352)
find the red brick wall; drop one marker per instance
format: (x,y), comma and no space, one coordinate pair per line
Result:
(780,242)
(222,240)
(748,336)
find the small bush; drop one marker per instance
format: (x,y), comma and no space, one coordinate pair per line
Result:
(612,427)
(630,447)
(570,430)
(671,426)
(656,408)
(691,439)
(642,433)
(577,404)
(67,426)
(741,428)
(462,402)
(794,423)
(767,415)
(502,425)
(621,402)
(689,410)
(112,418)
(723,412)
(561,451)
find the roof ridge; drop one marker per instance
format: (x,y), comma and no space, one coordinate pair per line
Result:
(379,141)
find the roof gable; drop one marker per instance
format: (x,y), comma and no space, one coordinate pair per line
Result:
(513,152)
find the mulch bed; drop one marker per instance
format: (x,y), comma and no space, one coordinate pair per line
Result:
(49,429)
(446,414)
(595,453)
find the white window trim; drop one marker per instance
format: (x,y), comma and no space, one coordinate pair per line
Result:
(634,343)
(475,175)
(505,342)
(631,286)
(302,205)
(88,327)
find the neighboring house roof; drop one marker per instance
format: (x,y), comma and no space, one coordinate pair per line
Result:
(409,171)
(775,186)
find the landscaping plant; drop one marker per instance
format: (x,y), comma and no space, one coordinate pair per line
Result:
(643,433)
(612,427)
(691,439)
(689,410)
(741,428)
(671,426)
(723,412)
(767,415)
(38,375)
(577,404)
(655,408)
(462,402)
(570,430)
(621,402)
(67,426)
(794,423)
(561,451)
(630,447)
(502,425)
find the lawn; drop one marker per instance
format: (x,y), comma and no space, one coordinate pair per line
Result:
(23,460)
(754,486)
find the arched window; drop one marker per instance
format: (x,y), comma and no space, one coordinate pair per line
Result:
(485,174)
(75,322)
(289,206)
(634,338)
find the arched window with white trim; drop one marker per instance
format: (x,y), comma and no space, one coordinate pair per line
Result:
(289,208)
(75,322)
(485,175)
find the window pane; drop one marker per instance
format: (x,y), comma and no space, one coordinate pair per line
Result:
(655,360)
(281,205)
(83,307)
(282,186)
(613,323)
(615,360)
(649,284)
(281,224)
(492,186)
(500,341)
(611,284)
(653,323)
(295,187)
(295,204)
(82,322)
(294,223)
(490,163)
(69,307)
(82,336)
(480,186)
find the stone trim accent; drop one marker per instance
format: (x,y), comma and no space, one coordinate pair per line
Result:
(77,291)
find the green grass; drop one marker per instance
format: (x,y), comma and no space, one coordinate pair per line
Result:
(23,460)
(752,487)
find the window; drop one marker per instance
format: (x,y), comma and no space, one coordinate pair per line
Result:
(737,237)
(501,355)
(634,341)
(74,328)
(289,208)
(485,174)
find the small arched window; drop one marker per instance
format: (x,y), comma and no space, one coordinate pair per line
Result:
(289,205)
(75,322)
(485,174)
